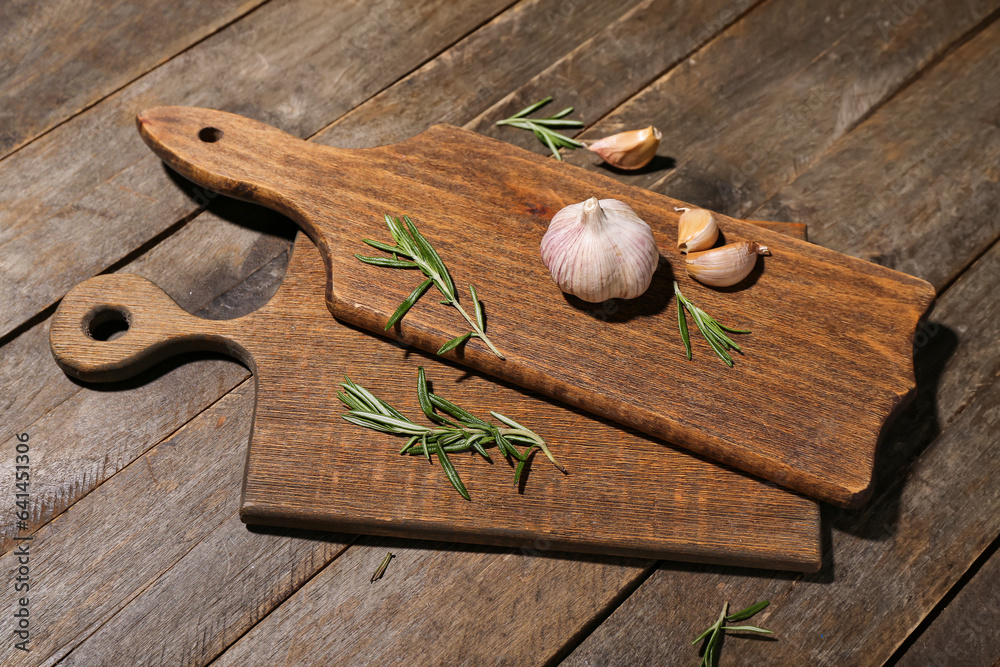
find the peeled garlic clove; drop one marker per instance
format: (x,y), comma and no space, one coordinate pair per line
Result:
(696,230)
(629,150)
(725,266)
(599,250)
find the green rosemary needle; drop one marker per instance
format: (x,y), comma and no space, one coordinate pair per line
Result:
(421,255)
(716,630)
(381,568)
(709,327)
(456,429)
(542,127)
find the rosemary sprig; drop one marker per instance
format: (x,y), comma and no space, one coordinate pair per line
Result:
(710,328)
(716,630)
(456,429)
(542,126)
(411,244)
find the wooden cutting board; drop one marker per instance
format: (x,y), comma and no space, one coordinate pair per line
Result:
(624,493)
(828,363)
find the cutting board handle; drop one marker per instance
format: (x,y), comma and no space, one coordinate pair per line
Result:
(112,327)
(249,160)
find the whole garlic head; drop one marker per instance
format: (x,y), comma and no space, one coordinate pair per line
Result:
(599,250)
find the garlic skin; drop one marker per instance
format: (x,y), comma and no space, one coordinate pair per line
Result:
(629,150)
(696,230)
(599,250)
(725,266)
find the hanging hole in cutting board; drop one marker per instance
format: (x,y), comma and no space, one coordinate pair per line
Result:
(210,134)
(106,324)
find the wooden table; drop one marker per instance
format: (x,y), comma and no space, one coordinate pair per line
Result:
(874,122)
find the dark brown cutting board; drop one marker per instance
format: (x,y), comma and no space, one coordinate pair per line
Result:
(625,493)
(828,363)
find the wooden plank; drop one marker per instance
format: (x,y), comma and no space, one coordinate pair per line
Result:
(51,69)
(91,183)
(857,357)
(754,108)
(227,583)
(889,564)
(965,632)
(928,212)
(556,47)
(437,605)
(117,541)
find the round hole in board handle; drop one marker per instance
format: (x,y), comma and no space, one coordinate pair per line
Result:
(106,323)
(210,134)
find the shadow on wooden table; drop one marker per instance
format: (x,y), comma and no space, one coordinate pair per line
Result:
(906,438)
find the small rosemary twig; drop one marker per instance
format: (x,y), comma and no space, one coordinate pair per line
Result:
(541,126)
(459,431)
(412,244)
(709,327)
(716,630)
(381,568)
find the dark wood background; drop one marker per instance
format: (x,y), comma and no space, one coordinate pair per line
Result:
(874,122)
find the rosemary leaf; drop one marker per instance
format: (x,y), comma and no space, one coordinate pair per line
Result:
(378,245)
(683,326)
(408,302)
(449,470)
(535,107)
(752,610)
(381,568)
(480,313)
(423,396)
(388,262)
(747,628)
(458,413)
(520,468)
(455,342)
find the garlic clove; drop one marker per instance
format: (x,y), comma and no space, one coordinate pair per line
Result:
(599,250)
(696,230)
(629,150)
(724,266)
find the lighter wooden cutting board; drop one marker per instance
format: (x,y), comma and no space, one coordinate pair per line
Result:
(625,493)
(829,360)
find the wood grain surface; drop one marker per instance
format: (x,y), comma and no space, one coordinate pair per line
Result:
(309,468)
(49,68)
(829,363)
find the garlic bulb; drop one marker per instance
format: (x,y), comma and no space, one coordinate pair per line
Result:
(599,250)
(725,266)
(628,150)
(696,230)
